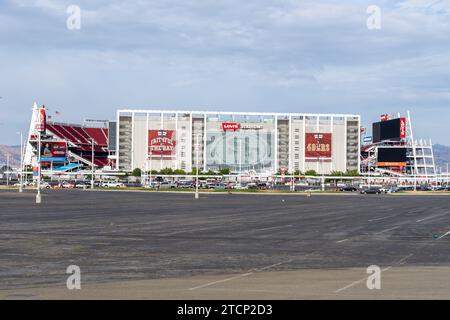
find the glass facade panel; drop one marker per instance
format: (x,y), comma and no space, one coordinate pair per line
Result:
(240,150)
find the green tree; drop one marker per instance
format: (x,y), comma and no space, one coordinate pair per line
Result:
(179,172)
(311,173)
(166,171)
(352,173)
(136,172)
(224,171)
(337,173)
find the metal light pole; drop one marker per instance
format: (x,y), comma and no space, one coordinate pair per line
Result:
(146,173)
(447,175)
(92,167)
(292,182)
(240,162)
(196,169)
(21,163)
(7,169)
(150,170)
(38,196)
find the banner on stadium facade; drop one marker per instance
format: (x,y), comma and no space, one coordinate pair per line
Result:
(318,146)
(161,144)
(41,120)
(53,151)
(402,127)
(35,171)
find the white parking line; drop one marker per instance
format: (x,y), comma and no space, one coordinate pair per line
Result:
(428,218)
(188,231)
(340,241)
(405,258)
(350,285)
(220,281)
(447,233)
(238,276)
(386,230)
(270,228)
(377,219)
(400,262)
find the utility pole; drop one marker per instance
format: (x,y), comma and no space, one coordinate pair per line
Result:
(38,196)
(150,170)
(7,169)
(21,163)
(240,162)
(446,175)
(196,168)
(92,162)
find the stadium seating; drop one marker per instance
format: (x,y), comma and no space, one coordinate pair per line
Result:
(80,138)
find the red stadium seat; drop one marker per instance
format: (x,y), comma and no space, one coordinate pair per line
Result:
(81,141)
(99,135)
(75,134)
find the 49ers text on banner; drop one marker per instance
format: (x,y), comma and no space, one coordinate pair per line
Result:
(318,146)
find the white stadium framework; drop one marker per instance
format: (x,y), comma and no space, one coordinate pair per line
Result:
(263,142)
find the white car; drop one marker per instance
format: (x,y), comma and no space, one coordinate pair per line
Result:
(45,185)
(68,185)
(112,185)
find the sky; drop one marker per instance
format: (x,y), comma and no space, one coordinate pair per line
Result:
(226,55)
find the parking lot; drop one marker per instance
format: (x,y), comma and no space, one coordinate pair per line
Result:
(193,247)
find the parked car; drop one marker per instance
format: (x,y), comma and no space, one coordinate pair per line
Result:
(186,184)
(219,186)
(393,190)
(262,186)
(423,188)
(45,185)
(111,184)
(348,189)
(167,185)
(81,185)
(370,191)
(68,185)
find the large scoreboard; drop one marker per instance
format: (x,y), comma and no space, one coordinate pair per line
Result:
(391,157)
(390,130)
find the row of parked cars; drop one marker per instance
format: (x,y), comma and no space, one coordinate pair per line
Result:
(205,185)
(377,190)
(73,184)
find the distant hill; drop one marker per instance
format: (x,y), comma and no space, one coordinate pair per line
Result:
(14,152)
(441,155)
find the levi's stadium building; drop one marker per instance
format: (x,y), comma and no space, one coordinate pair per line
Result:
(263,143)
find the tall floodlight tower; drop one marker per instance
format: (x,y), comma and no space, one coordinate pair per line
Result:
(32,135)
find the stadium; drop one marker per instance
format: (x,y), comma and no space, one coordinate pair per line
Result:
(259,142)
(238,143)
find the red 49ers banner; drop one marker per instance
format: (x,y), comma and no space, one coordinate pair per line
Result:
(402,127)
(161,144)
(318,146)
